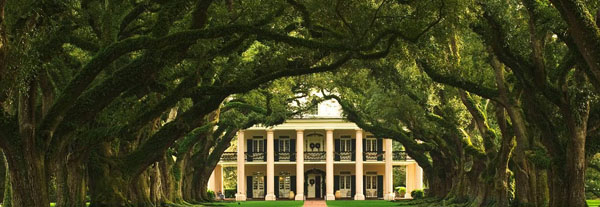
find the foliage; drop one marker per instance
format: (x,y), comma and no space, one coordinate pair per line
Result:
(401,190)
(417,194)
(230,193)
(211,195)
(592,181)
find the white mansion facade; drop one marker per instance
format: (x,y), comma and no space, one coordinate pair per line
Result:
(322,156)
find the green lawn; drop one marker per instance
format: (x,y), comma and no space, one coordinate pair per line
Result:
(351,203)
(258,204)
(593,203)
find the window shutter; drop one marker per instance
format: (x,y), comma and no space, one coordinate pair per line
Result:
(249,150)
(364,184)
(353,187)
(318,185)
(353,150)
(336,183)
(380,186)
(265,186)
(249,186)
(379,149)
(265,151)
(293,184)
(276,182)
(292,149)
(364,141)
(276,149)
(337,150)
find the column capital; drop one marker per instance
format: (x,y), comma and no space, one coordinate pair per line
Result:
(270,130)
(299,130)
(359,130)
(329,130)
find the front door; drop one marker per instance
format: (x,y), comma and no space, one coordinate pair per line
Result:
(311,186)
(314,186)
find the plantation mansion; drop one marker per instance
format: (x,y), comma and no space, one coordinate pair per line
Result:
(319,157)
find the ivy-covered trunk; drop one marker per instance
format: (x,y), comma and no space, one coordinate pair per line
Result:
(576,164)
(139,191)
(71,184)
(107,185)
(440,176)
(156,193)
(170,176)
(200,183)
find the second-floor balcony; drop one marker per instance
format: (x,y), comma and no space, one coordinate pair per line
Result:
(319,156)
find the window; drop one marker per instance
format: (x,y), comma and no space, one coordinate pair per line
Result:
(371,144)
(371,181)
(258,144)
(345,182)
(284,184)
(284,144)
(258,185)
(345,144)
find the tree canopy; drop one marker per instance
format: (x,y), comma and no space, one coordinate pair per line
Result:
(133,102)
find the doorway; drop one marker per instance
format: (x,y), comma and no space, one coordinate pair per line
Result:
(314,185)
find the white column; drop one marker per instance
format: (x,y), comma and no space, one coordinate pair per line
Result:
(241,177)
(388,191)
(359,166)
(221,188)
(329,165)
(270,167)
(419,175)
(299,165)
(414,178)
(211,181)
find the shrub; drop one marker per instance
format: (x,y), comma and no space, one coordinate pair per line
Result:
(230,193)
(401,190)
(416,194)
(211,195)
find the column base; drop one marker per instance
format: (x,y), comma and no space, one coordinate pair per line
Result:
(299,197)
(389,197)
(359,197)
(270,197)
(330,197)
(240,197)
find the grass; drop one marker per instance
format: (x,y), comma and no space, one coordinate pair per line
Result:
(593,203)
(257,204)
(352,203)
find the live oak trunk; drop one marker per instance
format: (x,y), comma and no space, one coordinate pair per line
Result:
(71,184)
(27,177)
(575,157)
(107,187)
(2,175)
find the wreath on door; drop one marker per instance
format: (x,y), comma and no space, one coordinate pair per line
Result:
(312,181)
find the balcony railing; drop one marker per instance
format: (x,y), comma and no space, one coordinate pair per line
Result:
(374,155)
(344,156)
(400,156)
(229,157)
(314,156)
(256,156)
(285,156)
